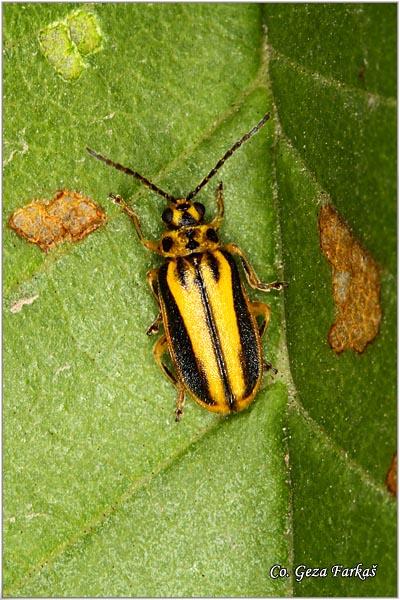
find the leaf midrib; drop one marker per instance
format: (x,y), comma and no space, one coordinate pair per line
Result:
(331,81)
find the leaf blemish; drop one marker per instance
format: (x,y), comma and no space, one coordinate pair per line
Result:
(17,306)
(355,284)
(391,477)
(69,216)
(361,72)
(85,31)
(62,369)
(64,43)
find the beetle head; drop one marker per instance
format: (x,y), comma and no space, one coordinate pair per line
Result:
(183,213)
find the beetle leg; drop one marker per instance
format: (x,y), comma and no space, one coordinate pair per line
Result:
(219,198)
(160,348)
(259,309)
(152,278)
(180,403)
(149,244)
(155,326)
(268,367)
(251,275)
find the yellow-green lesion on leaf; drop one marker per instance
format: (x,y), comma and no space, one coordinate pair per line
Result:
(84,31)
(60,51)
(65,43)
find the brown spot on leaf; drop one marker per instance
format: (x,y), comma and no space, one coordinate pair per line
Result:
(391,477)
(69,216)
(355,283)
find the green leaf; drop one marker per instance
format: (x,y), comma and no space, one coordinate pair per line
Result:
(332,72)
(105,495)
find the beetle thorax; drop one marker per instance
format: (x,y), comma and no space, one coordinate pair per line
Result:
(188,240)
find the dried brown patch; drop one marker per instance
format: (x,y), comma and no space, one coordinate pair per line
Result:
(355,283)
(69,216)
(391,477)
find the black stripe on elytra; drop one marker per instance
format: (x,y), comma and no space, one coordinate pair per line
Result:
(216,343)
(214,265)
(193,376)
(181,271)
(249,358)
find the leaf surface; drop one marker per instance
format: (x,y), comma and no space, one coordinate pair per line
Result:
(104,494)
(333,79)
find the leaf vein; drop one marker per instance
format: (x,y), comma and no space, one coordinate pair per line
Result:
(330,81)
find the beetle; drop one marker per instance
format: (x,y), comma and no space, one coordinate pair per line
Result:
(210,325)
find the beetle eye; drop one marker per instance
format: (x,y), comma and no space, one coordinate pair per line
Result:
(167,216)
(200,209)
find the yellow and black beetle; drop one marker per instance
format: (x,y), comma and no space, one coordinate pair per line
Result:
(210,325)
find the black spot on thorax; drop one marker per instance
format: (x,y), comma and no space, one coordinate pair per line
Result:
(167,243)
(192,245)
(212,235)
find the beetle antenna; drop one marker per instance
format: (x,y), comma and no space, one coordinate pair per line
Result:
(137,176)
(227,154)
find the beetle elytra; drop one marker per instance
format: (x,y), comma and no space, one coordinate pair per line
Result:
(210,324)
